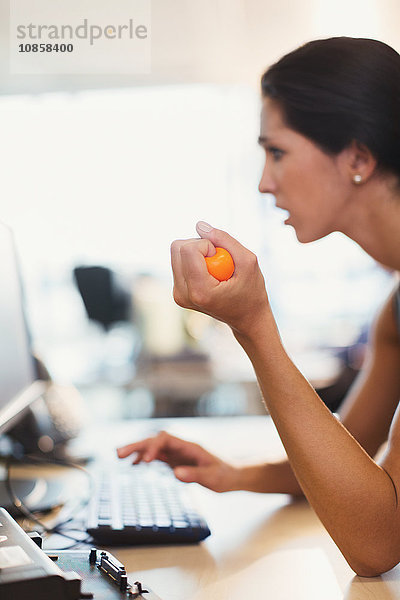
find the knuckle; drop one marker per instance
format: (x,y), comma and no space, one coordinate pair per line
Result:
(197,297)
(177,247)
(174,247)
(187,248)
(179,299)
(251,260)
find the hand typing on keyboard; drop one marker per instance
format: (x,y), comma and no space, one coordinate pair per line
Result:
(144,504)
(190,462)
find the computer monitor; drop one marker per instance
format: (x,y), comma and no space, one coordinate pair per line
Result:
(19,386)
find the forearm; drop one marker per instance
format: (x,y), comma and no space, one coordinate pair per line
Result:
(354,498)
(272,478)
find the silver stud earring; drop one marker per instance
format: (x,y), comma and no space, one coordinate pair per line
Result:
(357,179)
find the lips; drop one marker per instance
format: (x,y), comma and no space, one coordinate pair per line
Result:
(282,208)
(286,221)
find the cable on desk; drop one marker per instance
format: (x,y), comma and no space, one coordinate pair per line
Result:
(24,510)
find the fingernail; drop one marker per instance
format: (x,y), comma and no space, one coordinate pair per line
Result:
(204,227)
(180,471)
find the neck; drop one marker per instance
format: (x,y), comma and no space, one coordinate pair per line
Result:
(373,221)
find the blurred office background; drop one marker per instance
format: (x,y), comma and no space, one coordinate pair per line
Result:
(105,171)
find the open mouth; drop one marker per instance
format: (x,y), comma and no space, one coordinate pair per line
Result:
(286,211)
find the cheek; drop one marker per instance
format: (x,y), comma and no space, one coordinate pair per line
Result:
(314,207)
(332,197)
(323,187)
(303,192)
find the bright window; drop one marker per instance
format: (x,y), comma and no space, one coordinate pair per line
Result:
(112,177)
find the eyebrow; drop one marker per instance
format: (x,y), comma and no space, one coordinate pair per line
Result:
(262,140)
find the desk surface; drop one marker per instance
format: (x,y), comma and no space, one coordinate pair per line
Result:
(262,546)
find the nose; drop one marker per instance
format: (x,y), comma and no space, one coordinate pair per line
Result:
(267,184)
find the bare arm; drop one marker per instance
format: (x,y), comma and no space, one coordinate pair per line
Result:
(355,498)
(367,411)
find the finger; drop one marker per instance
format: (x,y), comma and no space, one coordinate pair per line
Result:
(154,449)
(180,287)
(221,238)
(125,451)
(138,458)
(141,446)
(193,265)
(189,268)
(175,451)
(163,446)
(176,254)
(201,475)
(187,474)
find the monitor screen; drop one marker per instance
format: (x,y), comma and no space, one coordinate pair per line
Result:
(18,385)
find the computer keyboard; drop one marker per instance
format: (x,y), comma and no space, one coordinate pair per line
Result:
(143,504)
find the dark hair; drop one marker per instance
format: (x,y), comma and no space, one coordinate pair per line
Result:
(342,89)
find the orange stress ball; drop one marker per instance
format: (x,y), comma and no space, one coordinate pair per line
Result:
(221,265)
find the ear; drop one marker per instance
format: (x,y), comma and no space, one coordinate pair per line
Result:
(361,163)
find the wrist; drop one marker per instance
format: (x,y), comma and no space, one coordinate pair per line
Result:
(260,326)
(269,478)
(237,479)
(251,478)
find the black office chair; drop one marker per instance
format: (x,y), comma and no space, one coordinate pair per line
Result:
(105,300)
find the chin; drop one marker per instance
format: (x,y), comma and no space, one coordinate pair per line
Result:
(305,237)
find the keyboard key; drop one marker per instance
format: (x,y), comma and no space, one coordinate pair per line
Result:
(146,505)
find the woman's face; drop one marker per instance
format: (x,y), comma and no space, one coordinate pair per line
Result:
(310,184)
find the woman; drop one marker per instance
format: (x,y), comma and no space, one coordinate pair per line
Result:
(330,128)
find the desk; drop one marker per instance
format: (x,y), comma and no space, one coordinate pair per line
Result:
(262,546)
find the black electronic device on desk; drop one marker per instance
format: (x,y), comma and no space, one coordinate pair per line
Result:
(143,504)
(131,509)
(28,572)
(36,417)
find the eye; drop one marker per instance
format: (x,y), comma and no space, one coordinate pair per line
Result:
(276,153)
